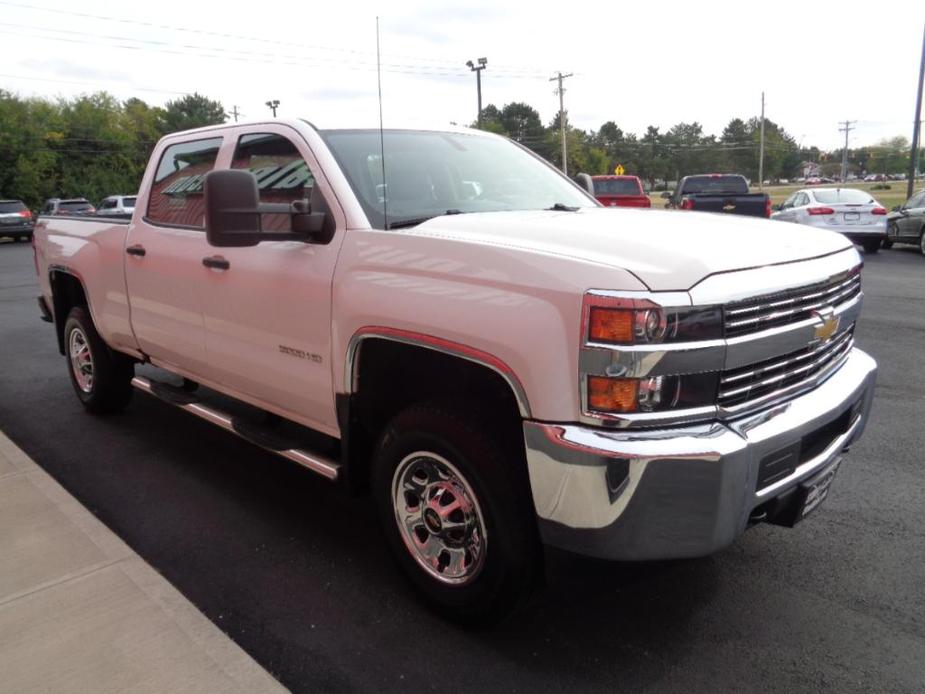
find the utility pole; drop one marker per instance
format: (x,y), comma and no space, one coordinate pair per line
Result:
(561,92)
(477,69)
(761,149)
(848,126)
(273,104)
(234,112)
(917,126)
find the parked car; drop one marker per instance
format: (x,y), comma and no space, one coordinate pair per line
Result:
(727,193)
(906,223)
(15,220)
(852,213)
(74,207)
(876,177)
(117,206)
(620,191)
(522,367)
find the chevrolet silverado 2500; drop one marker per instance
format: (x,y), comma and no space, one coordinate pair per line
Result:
(442,319)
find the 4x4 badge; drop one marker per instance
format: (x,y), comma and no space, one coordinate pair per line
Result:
(829,325)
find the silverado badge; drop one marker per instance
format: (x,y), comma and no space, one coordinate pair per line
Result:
(728,207)
(828,325)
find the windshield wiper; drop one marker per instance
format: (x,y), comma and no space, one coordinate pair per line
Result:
(560,207)
(405,223)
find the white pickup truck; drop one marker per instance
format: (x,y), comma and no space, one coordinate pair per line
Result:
(440,318)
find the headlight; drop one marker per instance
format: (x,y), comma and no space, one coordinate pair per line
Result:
(652,394)
(651,324)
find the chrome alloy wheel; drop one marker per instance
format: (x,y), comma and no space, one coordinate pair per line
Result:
(81,360)
(439,517)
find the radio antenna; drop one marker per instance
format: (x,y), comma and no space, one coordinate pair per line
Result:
(385,189)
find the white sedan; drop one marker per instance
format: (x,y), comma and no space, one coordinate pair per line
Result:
(853,213)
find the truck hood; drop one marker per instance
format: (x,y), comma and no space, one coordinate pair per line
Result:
(666,250)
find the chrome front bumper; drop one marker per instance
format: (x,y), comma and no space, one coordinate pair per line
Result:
(689,491)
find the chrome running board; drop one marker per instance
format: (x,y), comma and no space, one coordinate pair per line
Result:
(189,402)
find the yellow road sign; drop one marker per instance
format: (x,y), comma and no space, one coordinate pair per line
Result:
(619,170)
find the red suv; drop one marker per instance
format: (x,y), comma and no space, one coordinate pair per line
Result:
(620,191)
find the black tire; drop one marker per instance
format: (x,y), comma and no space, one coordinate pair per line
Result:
(892,235)
(922,241)
(871,246)
(109,386)
(23,238)
(492,467)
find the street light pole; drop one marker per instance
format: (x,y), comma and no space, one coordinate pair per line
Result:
(477,69)
(273,104)
(761,149)
(917,126)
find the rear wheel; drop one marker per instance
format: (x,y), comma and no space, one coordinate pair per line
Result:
(872,246)
(922,241)
(101,378)
(456,509)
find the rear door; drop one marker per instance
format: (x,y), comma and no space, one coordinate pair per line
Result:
(910,223)
(268,309)
(164,250)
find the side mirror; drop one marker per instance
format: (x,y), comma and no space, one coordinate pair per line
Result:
(233,209)
(896,208)
(586,182)
(778,207)
(666,194)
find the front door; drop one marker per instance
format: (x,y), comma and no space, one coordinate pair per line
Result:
(267,308)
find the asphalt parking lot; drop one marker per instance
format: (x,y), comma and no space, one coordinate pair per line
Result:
(296,572)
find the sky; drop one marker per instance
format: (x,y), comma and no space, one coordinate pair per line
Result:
(634,63)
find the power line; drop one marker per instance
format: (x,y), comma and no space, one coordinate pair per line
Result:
(446,63)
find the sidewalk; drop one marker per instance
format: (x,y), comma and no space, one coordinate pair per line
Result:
(81,612)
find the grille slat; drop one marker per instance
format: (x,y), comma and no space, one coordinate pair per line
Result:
(804,367)
(770,311)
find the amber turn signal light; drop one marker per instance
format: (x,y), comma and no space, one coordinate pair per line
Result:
(612,394)
(610,325)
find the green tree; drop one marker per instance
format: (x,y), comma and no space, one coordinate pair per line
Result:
(192,111)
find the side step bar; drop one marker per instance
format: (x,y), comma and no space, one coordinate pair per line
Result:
(247,431)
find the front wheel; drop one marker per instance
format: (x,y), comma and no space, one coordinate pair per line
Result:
(101,378)
(872,245)
(922,241)
(455,506)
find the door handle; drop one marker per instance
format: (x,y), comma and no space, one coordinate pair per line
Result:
(137,249)
(216,262)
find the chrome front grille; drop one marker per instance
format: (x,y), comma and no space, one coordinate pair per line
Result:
(791,306)
(751,385)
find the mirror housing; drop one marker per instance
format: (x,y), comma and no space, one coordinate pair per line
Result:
(778,207)
(233,209)
(666,194)
(586,182)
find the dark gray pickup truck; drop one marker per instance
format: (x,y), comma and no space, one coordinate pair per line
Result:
(727,193)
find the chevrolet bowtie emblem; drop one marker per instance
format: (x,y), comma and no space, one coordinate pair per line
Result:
(728,208)
(828,325)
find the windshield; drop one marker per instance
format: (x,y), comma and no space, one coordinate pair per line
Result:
(843,195)
(616,186)
(435,173)
(715,184)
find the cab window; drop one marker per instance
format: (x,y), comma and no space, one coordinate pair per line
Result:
(282,174)
(177,193)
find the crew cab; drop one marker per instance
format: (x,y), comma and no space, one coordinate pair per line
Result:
(620,191)
(442,320)
(727,193)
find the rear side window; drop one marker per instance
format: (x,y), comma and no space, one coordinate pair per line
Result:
(8,206)
(128,202)
(176,195)
(282,174)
